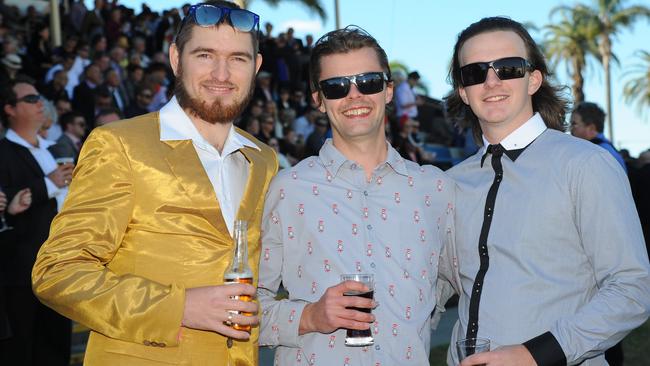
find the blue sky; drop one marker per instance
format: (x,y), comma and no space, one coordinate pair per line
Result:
(422,33)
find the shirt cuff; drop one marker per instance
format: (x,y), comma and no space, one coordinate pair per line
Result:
(52,189)
(289,323)
(546,350)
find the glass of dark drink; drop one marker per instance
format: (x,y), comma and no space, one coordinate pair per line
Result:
(359,338)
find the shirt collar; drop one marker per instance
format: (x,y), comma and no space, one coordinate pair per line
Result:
(75,139)
(518,139)
(333,160)
(15,138)
(175,124)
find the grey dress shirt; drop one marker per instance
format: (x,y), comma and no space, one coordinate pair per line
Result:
(568,272)
(321,219)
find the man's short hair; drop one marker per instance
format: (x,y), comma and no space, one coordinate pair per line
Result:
(106,111)
(414,75)
(350,38)
(185,31)
(67,118)
(8,95)
(548,100)
(591,114)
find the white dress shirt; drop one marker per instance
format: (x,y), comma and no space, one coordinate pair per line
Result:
(227,171)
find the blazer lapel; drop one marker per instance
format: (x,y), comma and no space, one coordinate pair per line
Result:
(186,166)
(27,156)
(255,183)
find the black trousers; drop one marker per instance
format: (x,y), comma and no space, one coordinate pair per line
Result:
(39,335)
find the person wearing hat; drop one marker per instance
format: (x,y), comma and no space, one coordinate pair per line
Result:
(406,101)
(11,64)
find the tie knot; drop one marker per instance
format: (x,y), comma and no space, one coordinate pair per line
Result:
(496,150)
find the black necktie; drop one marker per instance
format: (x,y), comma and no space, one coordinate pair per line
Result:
(497,152)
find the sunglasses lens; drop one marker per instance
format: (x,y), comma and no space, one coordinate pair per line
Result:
(335,88)
(510,68)
(473,74)
(371,83)
(207,15)
(243,20)
(31,98)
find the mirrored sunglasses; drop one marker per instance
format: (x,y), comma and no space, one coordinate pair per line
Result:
(367,83)
(206,15)
(30,98)
(506,68)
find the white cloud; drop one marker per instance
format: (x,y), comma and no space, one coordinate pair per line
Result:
(301,26)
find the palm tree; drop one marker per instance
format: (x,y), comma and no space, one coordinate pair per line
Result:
(312,5)
(608,17)
(568,41)
(638,87)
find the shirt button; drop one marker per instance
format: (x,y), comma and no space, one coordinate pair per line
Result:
(365,193)
(369,227)
(353,166)
(377,347)
(372,264)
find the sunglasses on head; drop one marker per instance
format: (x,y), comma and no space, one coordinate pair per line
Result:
(367,83)
(206,15)
(506,68)
(30,98)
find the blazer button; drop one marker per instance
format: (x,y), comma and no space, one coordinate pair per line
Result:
(147,343)
(161,344)
(154,344)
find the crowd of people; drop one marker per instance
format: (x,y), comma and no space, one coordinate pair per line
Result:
(110,258)
(113,64)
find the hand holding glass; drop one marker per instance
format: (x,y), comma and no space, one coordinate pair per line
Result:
(469,346)
(359,338)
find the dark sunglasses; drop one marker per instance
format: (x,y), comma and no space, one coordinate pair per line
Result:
(30,98)
(506,68)
(206,15)
(367,83)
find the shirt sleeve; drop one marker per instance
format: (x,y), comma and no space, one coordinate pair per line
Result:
(52,189)
(280,316)
(72,273)
(612,239)
(448,283)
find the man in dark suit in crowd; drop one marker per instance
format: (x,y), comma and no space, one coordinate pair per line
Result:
(73,125)
(39,335)
(84,96)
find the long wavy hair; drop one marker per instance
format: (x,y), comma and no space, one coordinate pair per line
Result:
(549,100)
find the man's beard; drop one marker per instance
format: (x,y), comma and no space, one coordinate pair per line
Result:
(214,113)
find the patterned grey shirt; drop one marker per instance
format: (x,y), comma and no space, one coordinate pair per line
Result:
(323,218)
(567,261)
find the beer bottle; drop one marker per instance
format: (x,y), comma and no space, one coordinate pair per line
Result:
(238,270)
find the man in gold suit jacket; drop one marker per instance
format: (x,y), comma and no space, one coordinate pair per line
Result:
(139,250)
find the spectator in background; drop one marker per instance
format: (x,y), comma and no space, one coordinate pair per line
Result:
(317,137)
(39,52)
(134,79)
(106,116)
(113,82)
(406,102)
(141,103)
(283,162)
(588,122)
(83,97)
(11,65)
(263,87)
(69,143)
(40,335)
(267,127)
(56,88)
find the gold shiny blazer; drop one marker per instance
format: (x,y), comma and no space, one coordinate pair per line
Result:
(140,225)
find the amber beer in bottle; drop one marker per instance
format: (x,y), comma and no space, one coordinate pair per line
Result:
(238,270)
